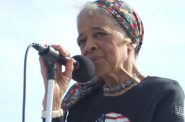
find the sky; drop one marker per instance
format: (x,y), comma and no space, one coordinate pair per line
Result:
(54,22)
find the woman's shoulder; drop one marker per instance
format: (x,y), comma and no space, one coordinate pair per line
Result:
(159,85)
(167,93)
(160,82)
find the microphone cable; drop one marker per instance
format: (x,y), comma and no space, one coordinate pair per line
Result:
(24,82)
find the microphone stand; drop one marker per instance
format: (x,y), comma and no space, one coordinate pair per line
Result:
(51,78)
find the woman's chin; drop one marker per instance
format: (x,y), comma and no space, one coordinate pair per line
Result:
(102,72)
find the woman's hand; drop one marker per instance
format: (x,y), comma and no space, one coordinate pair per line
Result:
(62,78)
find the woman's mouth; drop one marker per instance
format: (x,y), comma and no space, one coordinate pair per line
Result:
(96,58)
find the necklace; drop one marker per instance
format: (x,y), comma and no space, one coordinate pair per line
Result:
(124,85)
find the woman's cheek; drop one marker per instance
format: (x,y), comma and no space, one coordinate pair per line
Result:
(112,55)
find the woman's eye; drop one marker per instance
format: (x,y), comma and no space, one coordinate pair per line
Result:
(81,41)
(100,34)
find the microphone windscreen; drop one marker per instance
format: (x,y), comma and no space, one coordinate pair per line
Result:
(85,71)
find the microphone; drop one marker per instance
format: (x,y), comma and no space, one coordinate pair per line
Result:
(84,69)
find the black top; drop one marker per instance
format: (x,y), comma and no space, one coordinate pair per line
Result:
(155,99)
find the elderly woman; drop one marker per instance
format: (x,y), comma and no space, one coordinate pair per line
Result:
(111,35)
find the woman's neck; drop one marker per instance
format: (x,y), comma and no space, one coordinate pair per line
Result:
(120,77)
(117,77)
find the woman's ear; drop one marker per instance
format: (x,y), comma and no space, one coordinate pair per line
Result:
(132,45)
(132,48)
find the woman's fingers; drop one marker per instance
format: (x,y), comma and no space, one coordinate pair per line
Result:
(69,68)
(44,70)
(61,50)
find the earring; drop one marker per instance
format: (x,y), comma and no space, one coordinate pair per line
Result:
(134,45)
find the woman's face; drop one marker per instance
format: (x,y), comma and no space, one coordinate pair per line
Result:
(103,42)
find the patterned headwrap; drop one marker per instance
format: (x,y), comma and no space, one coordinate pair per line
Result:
(126,17)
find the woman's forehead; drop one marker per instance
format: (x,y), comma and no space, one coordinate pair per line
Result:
(96,21)
(92,18)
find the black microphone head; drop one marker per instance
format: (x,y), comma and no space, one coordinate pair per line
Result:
(85,69)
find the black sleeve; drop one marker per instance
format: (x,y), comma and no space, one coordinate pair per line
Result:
(170,107)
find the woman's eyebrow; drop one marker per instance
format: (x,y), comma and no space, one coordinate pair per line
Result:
(94,29)
(99,28)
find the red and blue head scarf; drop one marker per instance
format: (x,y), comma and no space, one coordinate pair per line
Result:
(126,17)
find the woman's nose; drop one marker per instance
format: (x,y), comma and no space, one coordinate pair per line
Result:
(89,47)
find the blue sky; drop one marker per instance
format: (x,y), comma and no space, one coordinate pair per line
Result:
(43,21)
